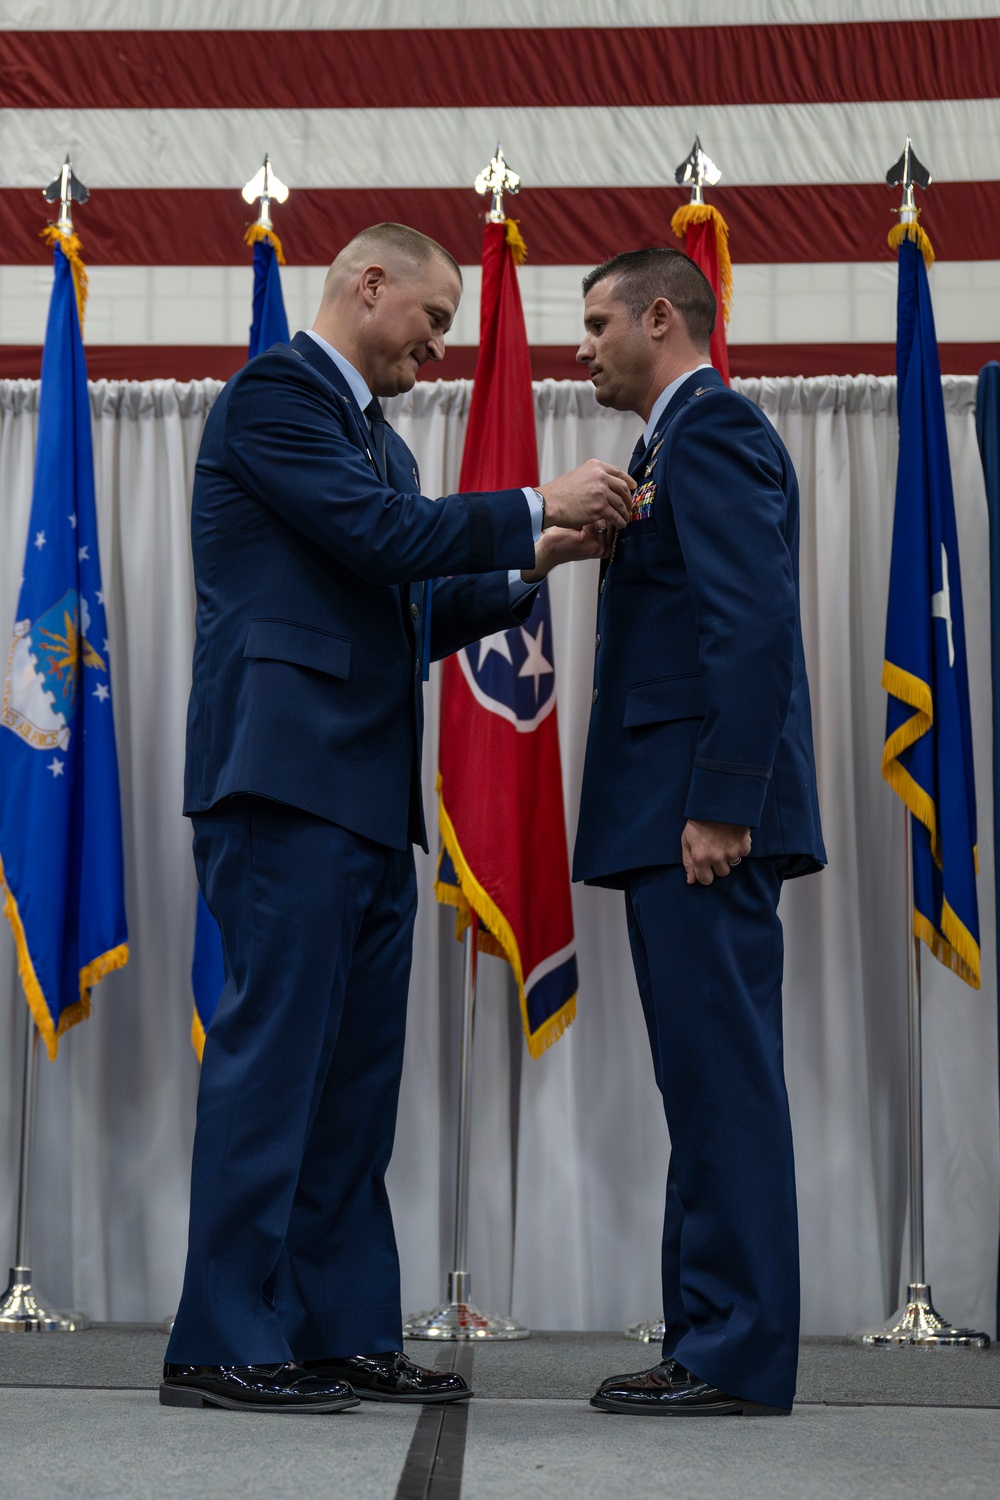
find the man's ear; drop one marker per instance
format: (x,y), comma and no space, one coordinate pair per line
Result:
(372,278)
(661,317)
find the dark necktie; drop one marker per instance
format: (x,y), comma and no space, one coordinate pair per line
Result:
(376,421)
(637,452)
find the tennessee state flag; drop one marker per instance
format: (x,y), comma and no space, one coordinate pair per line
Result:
(269,326)
(706,240)
(500,806)
(927,757)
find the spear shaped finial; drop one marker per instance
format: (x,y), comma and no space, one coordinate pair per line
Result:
(497,179)
(64,189)
(908,172)
(697,169)
(265,185)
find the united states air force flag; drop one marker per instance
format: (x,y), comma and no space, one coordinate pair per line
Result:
(928,747)
(60,818)
(269,326)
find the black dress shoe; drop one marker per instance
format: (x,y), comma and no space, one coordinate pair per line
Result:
(391,1377)
(285,1387)
(669,1390)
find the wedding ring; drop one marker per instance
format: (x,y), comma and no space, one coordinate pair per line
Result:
(737,861)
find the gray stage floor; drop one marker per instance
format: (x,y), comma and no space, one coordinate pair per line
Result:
(79,1418)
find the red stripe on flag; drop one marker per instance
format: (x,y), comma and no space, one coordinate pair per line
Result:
(563,226)
(430,68)
(548,362)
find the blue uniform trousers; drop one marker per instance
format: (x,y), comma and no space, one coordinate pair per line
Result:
(708,960)
(291,1251)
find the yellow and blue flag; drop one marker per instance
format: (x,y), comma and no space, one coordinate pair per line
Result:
(269,326)
(927,757)
(61,864)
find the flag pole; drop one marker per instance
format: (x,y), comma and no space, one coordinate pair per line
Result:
(917,1324)
(695,171)
(21,1310)
(458,1319)
(458,1280)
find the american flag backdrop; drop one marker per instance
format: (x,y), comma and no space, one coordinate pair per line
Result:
(387,109)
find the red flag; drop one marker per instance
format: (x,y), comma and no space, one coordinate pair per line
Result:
(706,240)
(500,804)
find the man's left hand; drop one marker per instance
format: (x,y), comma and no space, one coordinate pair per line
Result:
(559,544)
(712,849)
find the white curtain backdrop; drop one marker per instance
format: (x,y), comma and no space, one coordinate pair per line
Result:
(569,1152)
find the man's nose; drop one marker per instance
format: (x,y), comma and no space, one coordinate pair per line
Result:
(585,353)
(435,348)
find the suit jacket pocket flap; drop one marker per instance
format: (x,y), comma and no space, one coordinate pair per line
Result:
(665,699)
(281,640)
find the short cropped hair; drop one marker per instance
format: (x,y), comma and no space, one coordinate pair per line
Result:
(640,276)
(391,242)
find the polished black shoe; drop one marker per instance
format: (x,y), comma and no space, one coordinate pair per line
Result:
(285,1387)
(391,1377)
(669,1390)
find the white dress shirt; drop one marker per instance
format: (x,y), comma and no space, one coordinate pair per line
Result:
(663,399)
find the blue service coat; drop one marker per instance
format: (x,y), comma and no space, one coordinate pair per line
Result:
(309,566)
(701,703)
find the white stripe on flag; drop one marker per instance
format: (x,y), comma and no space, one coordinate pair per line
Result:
(554,961)
(556,147)
(368,15)
(818,303)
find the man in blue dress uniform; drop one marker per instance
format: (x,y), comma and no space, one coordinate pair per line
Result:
(699,799)
(313,555)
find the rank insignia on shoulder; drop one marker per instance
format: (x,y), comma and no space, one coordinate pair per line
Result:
(705,390)
(416,479)
(642,501)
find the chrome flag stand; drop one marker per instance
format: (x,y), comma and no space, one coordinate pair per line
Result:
(21,1311)
(458,1318)
(647,1333)
(917,1324)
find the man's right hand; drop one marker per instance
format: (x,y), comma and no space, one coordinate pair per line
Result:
(595,494)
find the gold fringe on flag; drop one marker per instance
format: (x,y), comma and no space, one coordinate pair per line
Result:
(90,975)
(518,248)
(73,251)
(701,213)
(197,1033)
(912,231)
(261,232)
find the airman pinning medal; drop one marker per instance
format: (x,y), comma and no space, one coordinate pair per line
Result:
(700,719)
(314,554)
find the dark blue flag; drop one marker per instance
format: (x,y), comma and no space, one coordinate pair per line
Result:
(60,816)
(988,433)
(927,758)
(270,326)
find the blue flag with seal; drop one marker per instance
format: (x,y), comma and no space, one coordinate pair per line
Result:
(270,326)
(61,864)
(927,757)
